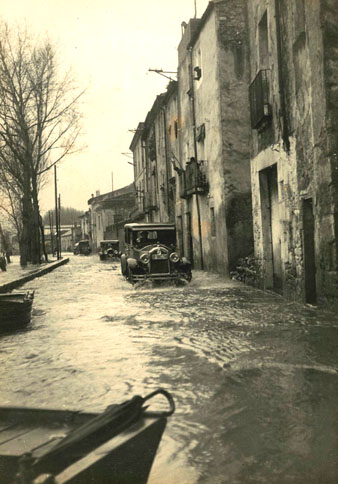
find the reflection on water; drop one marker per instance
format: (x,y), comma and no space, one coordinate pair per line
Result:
(254,378)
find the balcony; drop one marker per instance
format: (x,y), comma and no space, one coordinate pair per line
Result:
(194,179)
(260,107)
(150,202)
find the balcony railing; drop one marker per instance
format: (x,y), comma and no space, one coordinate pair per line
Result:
(194,179)
(260,107)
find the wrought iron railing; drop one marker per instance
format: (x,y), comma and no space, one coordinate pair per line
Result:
(195,178)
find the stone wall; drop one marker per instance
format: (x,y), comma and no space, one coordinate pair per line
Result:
(303,97)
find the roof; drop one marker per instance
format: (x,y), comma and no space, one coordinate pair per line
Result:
(137,135)
(149,226)
(127,191)
(201,24)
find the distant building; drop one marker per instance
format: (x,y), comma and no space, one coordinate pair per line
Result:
(137,146)
(154,145)
(85,232)
(108,213)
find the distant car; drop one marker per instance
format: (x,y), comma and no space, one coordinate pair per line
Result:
(82,247)
(109,249)
(150,254)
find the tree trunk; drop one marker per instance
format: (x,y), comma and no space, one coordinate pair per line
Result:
(43,240)
(24,242)
(36,248)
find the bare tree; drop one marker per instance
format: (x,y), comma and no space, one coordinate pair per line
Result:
(39,125)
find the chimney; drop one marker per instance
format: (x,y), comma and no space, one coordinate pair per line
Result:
(112,181)
(97,193)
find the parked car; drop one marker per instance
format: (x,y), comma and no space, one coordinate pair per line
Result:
(150,254)
(109,249)
(82,247)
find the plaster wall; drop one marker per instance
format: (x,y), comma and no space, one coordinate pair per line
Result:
(207,106)
(220,51)
(233,75)
(304,157)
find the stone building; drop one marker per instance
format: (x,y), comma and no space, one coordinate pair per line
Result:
(138,150)
(154,145)
(213,208)
(109,212)
(84,226)
(294,165)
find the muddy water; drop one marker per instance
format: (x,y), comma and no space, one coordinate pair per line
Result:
(255,379)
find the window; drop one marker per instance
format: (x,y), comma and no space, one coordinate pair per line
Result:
(212,222)
(263,45)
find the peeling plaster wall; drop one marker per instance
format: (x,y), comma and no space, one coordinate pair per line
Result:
(307,168)
(234,113)
(221,104)
(207,104)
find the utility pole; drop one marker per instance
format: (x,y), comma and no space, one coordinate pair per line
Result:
(56,216)
(51,230)
(60,226)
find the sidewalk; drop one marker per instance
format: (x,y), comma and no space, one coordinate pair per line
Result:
(15,276)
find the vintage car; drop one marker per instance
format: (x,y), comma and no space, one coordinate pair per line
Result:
(150,254)
(109,249)
(82,247)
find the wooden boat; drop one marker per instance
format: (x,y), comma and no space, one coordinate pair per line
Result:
(39,446)
(15,309)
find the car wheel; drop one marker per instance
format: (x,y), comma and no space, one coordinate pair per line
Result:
(188,275)
(130,275)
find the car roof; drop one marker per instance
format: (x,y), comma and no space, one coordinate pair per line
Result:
(150,226)
(109,240)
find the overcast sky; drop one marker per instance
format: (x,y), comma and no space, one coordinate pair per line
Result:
(110,46)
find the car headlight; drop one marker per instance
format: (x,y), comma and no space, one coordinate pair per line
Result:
(174,257)
(144,258)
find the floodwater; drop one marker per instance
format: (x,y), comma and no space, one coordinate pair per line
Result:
(254,378)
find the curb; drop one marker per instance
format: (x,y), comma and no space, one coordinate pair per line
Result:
(8,286)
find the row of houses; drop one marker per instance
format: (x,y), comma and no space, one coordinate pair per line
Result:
(241,151)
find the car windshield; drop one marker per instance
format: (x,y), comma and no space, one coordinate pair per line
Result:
(109,245)
(141,238)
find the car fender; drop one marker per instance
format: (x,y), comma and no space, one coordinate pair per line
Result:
(123,261)
(132,263)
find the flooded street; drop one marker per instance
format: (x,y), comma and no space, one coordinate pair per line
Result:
(255,379)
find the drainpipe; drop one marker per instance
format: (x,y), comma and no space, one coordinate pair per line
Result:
(166,158)
(192,94)
(285,130)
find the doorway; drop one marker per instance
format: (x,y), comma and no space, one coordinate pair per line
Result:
(309,252)
(189,239)
(271,228)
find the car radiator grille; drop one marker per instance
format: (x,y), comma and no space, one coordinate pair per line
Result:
(159,266)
